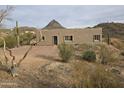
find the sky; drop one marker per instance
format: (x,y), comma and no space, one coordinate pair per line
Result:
(76,16)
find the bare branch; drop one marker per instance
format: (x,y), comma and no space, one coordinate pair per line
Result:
(18,64)
(13,57)
(4,13)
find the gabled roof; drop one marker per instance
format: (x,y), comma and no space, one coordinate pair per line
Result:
(54,25)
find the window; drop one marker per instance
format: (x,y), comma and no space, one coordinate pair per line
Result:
(96,38)
(68,38)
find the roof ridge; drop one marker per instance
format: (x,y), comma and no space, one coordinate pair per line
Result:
(54,25)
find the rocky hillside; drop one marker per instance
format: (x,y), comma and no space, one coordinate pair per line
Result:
(114,29)
(26,28)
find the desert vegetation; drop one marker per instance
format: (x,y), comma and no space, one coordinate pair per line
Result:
(84,66)
(66,52)
(89,55)
(10,41)
(94,68)
(94,76)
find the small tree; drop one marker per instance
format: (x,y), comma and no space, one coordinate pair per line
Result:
(65,52)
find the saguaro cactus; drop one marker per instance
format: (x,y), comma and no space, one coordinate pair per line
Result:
(108,38)
(17,34)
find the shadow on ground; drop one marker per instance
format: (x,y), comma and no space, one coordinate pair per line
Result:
(49,58)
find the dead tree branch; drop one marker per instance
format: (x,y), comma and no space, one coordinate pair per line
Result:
(4,13)
(25,55)
(10,64)
(13,57)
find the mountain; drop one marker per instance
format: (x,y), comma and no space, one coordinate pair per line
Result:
(26,28)
(5,30)
(113,29)
(54,25)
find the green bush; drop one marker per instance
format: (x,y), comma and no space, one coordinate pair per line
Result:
(65,52)
(10,41)
(26,38)
(89,55)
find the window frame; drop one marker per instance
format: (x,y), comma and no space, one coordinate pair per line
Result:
(68,38)
(96,37)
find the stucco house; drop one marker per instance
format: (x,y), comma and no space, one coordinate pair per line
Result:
(54,34)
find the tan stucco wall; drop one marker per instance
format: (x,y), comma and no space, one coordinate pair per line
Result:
(80,36)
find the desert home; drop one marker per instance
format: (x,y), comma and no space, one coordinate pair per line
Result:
(54,34)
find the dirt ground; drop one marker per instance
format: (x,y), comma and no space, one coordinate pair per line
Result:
(29,70)
(41,68)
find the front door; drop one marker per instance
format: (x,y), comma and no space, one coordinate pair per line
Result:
(55,40)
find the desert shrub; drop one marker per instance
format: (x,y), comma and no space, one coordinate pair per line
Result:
(94,76)
(89,55)
(10,41)
(106,54)
(65,52)
(26,38)
(100,79)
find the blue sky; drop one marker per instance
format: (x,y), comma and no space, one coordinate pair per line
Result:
(69,16)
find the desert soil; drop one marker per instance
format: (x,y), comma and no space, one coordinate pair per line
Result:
(30,69)
(41,68)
